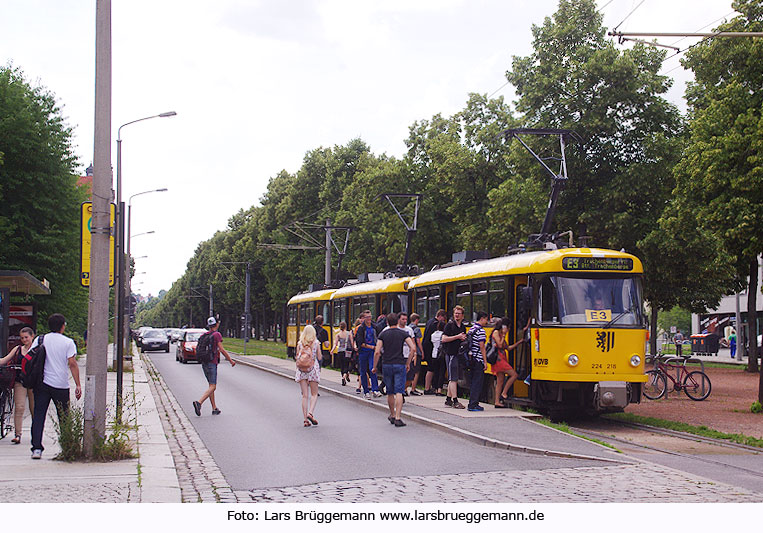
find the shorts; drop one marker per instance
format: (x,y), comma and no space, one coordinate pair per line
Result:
(394,378)
(210,372)
(451,364)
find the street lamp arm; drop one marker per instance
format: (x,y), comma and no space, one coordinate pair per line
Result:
(162,115)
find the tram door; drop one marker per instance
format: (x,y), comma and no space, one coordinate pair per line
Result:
(519,359)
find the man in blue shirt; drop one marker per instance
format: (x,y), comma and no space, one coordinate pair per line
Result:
(365,340)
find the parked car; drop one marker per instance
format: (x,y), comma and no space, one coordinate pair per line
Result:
(186,348)
(139,337)
(175,334)
(154,340)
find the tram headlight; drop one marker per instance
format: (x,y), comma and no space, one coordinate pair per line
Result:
(572,359)
(635,360)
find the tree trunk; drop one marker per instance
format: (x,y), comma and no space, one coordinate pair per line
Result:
(752,319)
(653,332)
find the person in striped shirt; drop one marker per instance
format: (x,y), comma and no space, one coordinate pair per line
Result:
(477,360)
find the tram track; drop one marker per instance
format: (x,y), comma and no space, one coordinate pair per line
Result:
(616,431)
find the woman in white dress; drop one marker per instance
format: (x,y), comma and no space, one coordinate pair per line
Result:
(308,381)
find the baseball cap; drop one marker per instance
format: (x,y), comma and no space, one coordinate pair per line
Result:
(211,321)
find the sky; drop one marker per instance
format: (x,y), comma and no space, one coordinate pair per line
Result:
(256,84)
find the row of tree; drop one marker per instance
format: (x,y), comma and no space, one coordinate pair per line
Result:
(39,197)
(684,193)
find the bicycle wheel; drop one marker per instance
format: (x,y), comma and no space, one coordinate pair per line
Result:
(697,385)
(3,412)
(655,385)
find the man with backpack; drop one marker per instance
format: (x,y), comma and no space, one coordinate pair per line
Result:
(208,351)
(477,338)
(454,333)
(60,359)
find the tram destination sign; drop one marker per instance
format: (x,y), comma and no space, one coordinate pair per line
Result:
(597,263)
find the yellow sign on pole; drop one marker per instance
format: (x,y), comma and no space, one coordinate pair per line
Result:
(86,219)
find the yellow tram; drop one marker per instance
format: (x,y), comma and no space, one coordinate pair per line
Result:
(301,310)
(587,330)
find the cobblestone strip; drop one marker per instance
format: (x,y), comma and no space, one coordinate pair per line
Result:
(201,481)
(607,484)
(72,493)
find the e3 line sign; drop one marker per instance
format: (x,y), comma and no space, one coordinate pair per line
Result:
(86,219)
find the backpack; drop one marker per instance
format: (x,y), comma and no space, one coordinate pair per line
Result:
(305,359)
(204,348)
(464,350)
(33,366)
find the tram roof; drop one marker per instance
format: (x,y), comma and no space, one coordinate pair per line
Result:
(372,287)
(526,263)
(324,294)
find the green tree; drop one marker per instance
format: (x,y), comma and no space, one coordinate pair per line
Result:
(720,176)
(39,222)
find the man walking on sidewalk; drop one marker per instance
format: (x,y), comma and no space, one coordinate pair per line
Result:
(477,360)
(455,332)
(394,364)
(210,369)
(60,359)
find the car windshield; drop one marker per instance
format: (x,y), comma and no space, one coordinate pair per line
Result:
(192,336)
(591,301)
(158,333)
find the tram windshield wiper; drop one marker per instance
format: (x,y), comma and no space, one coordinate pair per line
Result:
(615,319)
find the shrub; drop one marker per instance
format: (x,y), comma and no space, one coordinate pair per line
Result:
(756,407)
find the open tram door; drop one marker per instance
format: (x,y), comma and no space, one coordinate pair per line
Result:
(520,358)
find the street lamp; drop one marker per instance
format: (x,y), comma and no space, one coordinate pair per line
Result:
(121,268)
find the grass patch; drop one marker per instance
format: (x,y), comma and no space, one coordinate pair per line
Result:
(255,347)
(566,428)
(702,431)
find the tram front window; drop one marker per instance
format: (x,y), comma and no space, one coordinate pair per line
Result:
(591,301)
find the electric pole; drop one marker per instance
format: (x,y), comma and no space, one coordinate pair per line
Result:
(98,309)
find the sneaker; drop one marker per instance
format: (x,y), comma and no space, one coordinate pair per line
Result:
(438,393)
(416,392)
(197,408)
(36,454)
(405,394)
(344,382)
(476,408)
(216,411)
(358,391)
(457,405)
(399,423)
(428,392)
(448,402)
(377,394)
(367,396)
(391,419)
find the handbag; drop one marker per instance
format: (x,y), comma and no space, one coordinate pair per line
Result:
(492,354)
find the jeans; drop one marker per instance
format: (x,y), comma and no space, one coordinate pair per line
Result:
(394,378)
(43,394)
(366,361)
(477,368)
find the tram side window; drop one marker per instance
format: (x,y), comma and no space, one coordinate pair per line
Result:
(402,302)
(310,313)
(464,299)
(325,308)
(302,314)
(497,299)
(421,303)
(433,304)
(337,317)
(292,315)
(479,298)
(356,308)
(549,304)
(370,304)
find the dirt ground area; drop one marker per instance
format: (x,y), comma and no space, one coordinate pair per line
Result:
(727,409)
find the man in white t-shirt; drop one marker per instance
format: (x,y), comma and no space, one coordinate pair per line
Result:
(60,360)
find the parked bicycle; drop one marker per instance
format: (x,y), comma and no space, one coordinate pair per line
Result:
(694,383)
(7,378)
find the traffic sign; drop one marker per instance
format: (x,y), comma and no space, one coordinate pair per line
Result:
(86,219)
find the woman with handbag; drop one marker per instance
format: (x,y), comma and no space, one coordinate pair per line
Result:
(343,347)
(20,394)
(308,375)
(502,368)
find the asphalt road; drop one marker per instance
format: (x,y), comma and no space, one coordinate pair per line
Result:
(258,441)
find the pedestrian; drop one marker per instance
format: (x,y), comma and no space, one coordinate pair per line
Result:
(402,323)
(678,339)
(433,379)
(60,357)
(365,340)
(477,360)
(308,380)
(344,346)
(452,335)
(390,350)
(355,355)
(210,368)
(323,337)
(501,369)
(21,394)
(733,343)
(418,360)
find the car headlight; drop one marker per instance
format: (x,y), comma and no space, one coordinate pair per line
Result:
(635,360)
(572,359)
